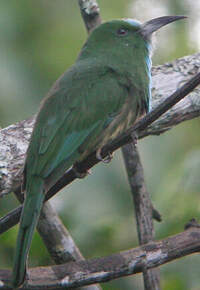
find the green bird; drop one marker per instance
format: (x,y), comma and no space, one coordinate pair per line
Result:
(98,98)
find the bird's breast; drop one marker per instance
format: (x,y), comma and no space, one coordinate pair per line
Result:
(120,124)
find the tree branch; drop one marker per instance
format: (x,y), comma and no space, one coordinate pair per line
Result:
(166,78)
(139,127)
(57,239)
(143,209)
(90,14)
(76,274)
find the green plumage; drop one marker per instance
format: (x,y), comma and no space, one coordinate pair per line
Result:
(29,217)
(98,98)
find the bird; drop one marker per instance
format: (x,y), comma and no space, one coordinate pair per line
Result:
(99,97)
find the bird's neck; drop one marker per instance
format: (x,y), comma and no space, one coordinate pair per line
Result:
(135,62)
(133,66)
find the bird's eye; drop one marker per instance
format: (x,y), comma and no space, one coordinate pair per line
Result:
(122,31)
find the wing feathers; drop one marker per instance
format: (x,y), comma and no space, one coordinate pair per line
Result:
(78,106)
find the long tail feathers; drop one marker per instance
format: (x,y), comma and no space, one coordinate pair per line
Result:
(30,214)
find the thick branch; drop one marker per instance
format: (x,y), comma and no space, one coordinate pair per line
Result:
(76,274)
(139,127)
(166,78)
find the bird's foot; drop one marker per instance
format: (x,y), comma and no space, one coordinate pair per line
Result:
(134,137)
(79,174)
(106,159)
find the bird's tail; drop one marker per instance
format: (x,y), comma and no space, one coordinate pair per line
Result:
(29,217)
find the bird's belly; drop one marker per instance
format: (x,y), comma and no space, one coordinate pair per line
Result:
(118,126)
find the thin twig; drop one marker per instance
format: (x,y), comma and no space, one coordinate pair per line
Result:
(143,209)
(10,220)
(76,274)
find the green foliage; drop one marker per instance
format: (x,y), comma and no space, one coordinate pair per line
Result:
(39,40)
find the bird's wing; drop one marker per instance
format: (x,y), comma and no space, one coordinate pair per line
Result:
(80,104)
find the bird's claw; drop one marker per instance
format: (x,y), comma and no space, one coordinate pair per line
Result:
(106,159)
(79,174)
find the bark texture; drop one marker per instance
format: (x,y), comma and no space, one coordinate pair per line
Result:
(76,274)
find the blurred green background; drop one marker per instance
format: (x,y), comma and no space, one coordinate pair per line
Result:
(38,41)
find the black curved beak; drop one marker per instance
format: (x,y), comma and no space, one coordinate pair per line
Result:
(153,25)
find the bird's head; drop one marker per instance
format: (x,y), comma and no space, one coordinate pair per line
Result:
(123,36)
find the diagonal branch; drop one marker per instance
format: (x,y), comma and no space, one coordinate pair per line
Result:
(76,274)
(57,239)
(139,127)
(166,79)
